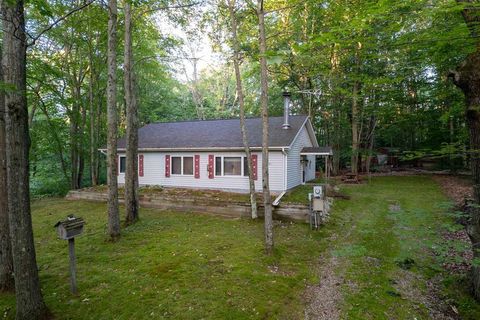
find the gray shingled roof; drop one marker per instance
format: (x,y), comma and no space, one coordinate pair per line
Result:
(215,133)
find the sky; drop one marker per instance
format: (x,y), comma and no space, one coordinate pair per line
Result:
(200,49)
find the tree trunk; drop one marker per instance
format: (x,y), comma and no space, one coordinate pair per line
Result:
(113,213)
(241,102)
(356,131)
(267,198)
(467,78)
(355,135)
(93,143)
(6,262)
(29,300)
(131,174)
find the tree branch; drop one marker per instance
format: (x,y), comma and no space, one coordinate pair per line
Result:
(41,33)
(180,6)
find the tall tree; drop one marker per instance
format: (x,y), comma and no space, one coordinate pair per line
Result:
(112,165)
(6,262)
(131,174)
(467,78)
(29,298)
(241,103)
(267,198)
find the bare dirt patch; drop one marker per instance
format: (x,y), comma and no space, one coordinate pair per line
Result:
(436,305)
(455,188)
(458,189)
(324,298)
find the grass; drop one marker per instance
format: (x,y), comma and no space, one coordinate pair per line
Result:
(187,266)
(373,242)
(171,266)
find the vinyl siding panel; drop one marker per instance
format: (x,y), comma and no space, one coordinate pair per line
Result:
(154,172)
(294,172)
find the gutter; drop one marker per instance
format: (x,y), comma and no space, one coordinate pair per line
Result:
(285,169)
(201,149)
(276,202)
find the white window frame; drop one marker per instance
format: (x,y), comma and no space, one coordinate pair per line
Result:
(181,166)
(120,164)
(222,171)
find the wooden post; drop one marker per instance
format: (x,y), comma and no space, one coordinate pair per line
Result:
(73,271)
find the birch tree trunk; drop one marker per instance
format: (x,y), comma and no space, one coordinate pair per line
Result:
(131,174)
(29,300)
(6,262)
(267,198)
(113,213)
(241,102)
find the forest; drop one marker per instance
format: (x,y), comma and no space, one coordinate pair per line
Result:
(372,75)
(381,67)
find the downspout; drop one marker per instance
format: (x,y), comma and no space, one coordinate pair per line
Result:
(277,200)
(285,169)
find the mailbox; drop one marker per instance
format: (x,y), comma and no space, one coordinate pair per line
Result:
(69,228)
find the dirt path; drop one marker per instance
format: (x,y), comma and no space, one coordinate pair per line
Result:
(323,300)
(381,260)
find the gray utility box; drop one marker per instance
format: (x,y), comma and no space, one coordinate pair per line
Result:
(69,228)
(319,197)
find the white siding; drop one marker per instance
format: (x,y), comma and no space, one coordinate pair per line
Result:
(154,172)
(310,174)
(294,172)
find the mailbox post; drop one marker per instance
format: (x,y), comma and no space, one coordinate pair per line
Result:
(68,229)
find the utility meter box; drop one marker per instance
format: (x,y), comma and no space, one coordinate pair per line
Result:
(70,227)
(318,192)
(318,204)
(319,195)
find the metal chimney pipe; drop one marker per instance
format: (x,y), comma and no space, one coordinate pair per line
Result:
(286,110)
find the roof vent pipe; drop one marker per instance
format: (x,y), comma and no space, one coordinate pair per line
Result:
(286,110)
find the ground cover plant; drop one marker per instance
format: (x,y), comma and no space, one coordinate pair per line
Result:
(170,265)
(386,242)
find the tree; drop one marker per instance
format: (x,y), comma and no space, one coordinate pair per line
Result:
(267,198)
(6,261)
(131,174)
(241,103)
(112,162)
(29,298)
(467,78)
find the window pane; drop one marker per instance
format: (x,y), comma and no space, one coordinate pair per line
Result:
(218,166)
(245,166)
(176,165)
(123,162)
(232,166)
(188,165)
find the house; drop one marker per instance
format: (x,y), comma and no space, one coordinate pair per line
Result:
(209,154)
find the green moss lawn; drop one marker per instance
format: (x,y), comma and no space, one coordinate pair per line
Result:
(188,266)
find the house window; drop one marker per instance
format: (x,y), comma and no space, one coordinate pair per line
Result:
(188,166)
(218,166)
(182,166)
(123,161)
(176,165)
(245,166)
(232,166)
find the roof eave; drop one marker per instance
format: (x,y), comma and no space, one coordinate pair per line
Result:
(200,149)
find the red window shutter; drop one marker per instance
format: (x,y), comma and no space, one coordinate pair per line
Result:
(167,166)
(140,165)
(197,166)
(255,166)
(211,161)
